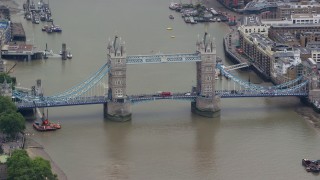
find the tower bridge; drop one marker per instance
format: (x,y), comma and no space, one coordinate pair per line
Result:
(204,98)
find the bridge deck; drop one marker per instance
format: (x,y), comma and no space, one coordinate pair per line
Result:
(146,97)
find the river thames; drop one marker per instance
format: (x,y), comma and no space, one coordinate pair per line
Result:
(254,138)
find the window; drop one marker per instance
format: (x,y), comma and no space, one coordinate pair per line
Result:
(118,92)
(118,82)
(118,73)
(208,88)
(208,78)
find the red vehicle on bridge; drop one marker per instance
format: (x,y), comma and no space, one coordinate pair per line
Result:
(164,94)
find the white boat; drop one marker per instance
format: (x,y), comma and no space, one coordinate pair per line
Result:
(50,54)
(169,28)
(69,55)
(213,19)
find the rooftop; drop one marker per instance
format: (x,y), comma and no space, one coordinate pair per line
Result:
(313,45)
(17,29)
(18,47)
(251,21)
(295,25)
(263,40)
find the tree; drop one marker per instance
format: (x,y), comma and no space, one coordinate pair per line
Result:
(6,105)
(11,123)
(9,79)
(20,166)
(42,169)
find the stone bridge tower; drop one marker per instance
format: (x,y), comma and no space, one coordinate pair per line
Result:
(207,103)
(118,108)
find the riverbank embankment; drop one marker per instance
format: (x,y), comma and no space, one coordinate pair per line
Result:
(35,149)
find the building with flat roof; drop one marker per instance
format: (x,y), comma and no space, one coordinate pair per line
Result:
(257,7)
(295,29)
(305,53)
(278,61)
(18,33)
(252,24)
(286,9)
(315,51)
(20,51)
(286,38)
(232,4)
(308,37)
(305,18)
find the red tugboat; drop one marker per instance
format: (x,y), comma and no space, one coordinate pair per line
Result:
(46,125)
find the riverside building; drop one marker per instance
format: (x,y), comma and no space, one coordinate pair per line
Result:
(286,9)
(279,62)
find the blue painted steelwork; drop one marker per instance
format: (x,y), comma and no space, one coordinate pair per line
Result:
(134,99)
(251,86)
(163,58)
(73,92)
(79,95)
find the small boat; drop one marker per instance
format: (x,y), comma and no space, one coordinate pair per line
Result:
(49,30)
(174,6)
(171,16)
(49,19)
(172,36)
(56,28)
(69,55)
(44,28)
(169,28)
(311,165)
(28,17)
(46,125)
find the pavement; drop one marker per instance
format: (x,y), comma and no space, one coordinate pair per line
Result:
(9,146)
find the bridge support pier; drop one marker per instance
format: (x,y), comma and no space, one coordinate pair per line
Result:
(207,107)
(117,111)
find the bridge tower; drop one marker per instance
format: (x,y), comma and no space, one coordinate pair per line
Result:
(118,108)
(207,103)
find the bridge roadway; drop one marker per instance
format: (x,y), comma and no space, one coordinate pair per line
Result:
(47,102)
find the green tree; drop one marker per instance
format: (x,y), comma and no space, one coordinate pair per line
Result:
(21,167)
(42,169)
(4,76)
(11,123)
(6,104)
